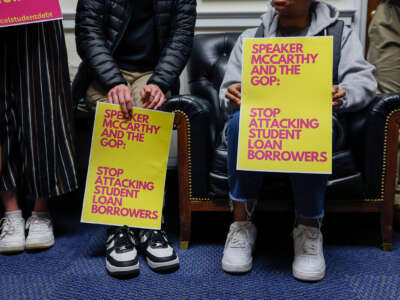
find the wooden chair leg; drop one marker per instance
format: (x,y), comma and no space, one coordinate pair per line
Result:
(387,230)
(185,228)
(185,210)
(397,217)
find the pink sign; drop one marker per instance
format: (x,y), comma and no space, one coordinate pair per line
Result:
(17,12)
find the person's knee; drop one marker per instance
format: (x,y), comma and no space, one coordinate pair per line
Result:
(95,94)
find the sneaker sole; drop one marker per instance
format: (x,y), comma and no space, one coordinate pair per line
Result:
(10,250)
(235,269)
(308,276)
(163,266)
(122,271)
(39,246)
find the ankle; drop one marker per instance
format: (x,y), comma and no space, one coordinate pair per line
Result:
(243,211)
(44,213)
(9,201)
(40,205)
(239,211)
(308,222)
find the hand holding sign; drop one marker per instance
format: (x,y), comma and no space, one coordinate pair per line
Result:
(122,95)
(233,94)
(152,97)
(337,95)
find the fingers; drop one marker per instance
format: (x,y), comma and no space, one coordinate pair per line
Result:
(142,93)
(235,89)
(154,102)
(335,89)
(112,97)
(145,94)
(152,97)
(121,95)
(336,103)
(235,101)
(122,102)
(146,98)
(129,101)
(129,107)
(233,94)
(154,91)
(161,102)
(339,94)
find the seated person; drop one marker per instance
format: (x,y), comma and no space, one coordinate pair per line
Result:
(384,46)
(133,53)
(356,89)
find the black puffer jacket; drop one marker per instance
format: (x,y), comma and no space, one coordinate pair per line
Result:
(100,26)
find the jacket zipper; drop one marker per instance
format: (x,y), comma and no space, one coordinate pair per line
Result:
(122,33)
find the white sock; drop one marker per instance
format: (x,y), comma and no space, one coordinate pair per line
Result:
(41,214)
(14,214)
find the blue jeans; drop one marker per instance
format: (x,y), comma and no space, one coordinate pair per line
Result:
(308,189)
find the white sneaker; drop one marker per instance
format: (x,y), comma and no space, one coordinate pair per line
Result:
(309,262)
(239,247)
(40,232)
(12,233)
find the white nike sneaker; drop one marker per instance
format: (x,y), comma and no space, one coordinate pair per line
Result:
(239,246)
(12,233)
(309,262)
(40,232)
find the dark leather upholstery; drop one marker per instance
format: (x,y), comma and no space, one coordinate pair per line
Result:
(366,131)
(206,69)
(198,111)
(358,155)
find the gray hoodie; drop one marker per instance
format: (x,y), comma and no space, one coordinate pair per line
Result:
(356,75)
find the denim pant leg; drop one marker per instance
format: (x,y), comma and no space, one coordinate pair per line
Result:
(309,191)
(309,194)
(243,185)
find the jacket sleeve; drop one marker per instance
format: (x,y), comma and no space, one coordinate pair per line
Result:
(356,75)
(176,53)
(233,74)
(91,43)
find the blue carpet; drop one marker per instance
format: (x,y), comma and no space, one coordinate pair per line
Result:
(74,268)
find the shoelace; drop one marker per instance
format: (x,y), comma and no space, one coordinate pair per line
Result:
(36,223)
(122,239)
(158,239)
(310,242)
(6,227)
(238,237)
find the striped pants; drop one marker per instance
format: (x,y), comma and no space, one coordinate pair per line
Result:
(37,153)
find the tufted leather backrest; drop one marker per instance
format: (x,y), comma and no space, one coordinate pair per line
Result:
(206,68)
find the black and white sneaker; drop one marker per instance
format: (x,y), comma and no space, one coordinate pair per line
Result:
(121,254)
(159,254)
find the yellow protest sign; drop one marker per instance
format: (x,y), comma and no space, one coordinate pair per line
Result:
(127,169)
(286,110)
